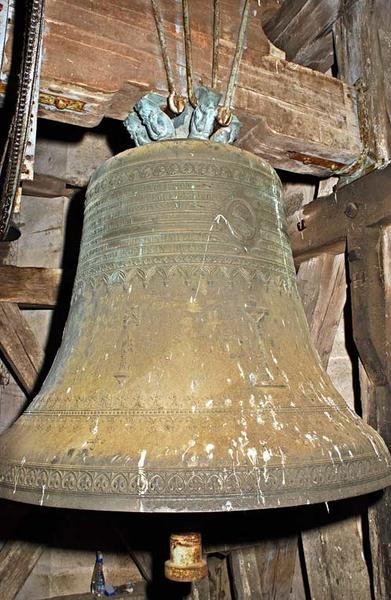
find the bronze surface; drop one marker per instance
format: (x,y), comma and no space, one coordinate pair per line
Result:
(186,379)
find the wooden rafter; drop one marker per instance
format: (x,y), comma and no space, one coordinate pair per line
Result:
(303,30)
(19,346)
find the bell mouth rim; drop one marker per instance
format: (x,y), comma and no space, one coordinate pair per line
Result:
(305,487)
(181,505)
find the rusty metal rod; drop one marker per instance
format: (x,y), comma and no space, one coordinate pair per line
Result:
(163,45)
(225,112)
(216,41)
(188,52)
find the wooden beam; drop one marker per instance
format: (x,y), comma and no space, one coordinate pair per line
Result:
(323,225)
(369,270)
(264,570)
(319,54)
(29,286)
(17,560)
(199,590)
(300,27)
(363,52)
(46,186)
(299,119)
(19,346)
(369,301)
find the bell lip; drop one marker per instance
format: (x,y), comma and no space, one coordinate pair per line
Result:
(147,149)
(213,504)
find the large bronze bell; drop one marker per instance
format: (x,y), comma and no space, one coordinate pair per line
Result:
(186,379)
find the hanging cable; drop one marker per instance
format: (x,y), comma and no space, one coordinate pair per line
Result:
(175,101)
(188,52)
(216,42)
(224,115)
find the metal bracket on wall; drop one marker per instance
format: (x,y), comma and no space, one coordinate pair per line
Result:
(18,153)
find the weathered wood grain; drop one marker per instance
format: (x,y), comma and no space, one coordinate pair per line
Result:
(324,223)
(299,27)
(369,268)
(363,52)
(219,584)
(19,346)
(322,284)
(335,562)
(200,590)
(264,571)
(299,119)
(46,186)
(276,561)
(17,560)
(319,54)
(368,300)
(29,286)
(245,577)
(376,410)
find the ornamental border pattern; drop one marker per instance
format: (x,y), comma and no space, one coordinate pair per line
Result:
(191,483)
(118,412)
(284,282)
(115,178)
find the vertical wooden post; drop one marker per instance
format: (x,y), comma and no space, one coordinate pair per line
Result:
(363,56)
(369,269)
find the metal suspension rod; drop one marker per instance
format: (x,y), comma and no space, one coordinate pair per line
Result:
(216,41)
(175,101)
(225,116)
(188,52)
(162,39)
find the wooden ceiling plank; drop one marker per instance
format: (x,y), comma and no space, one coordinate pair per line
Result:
(298,25)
